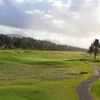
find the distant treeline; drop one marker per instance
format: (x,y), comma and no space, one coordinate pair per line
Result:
(7,42)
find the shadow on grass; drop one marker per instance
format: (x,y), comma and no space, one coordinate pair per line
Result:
(73,60)
(47,63)
(30,62)
(84,60)
(77,60)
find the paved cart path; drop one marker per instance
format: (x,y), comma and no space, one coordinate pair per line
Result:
(84,89)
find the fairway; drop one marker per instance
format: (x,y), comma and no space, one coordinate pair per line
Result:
(41,75)
(95,88)
(49,49)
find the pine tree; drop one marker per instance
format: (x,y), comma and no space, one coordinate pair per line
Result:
(95,49)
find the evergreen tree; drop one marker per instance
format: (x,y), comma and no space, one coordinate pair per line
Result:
(7,42)
(95,49)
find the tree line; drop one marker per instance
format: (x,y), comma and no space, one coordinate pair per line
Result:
(7,42)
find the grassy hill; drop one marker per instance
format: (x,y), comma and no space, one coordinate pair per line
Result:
(41,75)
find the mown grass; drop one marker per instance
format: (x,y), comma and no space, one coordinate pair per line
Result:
(41,75)
(95,87)
(96,90)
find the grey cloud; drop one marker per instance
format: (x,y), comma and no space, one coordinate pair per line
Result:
(80,18)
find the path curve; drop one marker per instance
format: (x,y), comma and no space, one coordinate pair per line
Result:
(84,89)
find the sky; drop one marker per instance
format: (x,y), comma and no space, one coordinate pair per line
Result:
(71,22)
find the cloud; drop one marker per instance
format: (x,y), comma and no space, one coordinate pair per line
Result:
(48,16)
(2,2)
(73,19)
(8,30)
(20,1)
(54,37)
(35,12)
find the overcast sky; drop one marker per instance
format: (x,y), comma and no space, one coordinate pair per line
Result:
(72,22)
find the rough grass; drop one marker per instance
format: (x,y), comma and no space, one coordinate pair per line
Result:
(96,90)
(95,87)
(41,75)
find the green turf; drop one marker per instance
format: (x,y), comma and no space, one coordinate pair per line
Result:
(96,90)
(41,75)
(95,87)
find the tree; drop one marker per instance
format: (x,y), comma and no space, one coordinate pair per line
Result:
(95,48)
(7,42)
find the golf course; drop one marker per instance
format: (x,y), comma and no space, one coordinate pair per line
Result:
(44,75)
(49,49)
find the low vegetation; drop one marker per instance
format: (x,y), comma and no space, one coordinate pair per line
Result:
(41,75)
(96,90)
(95,87)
